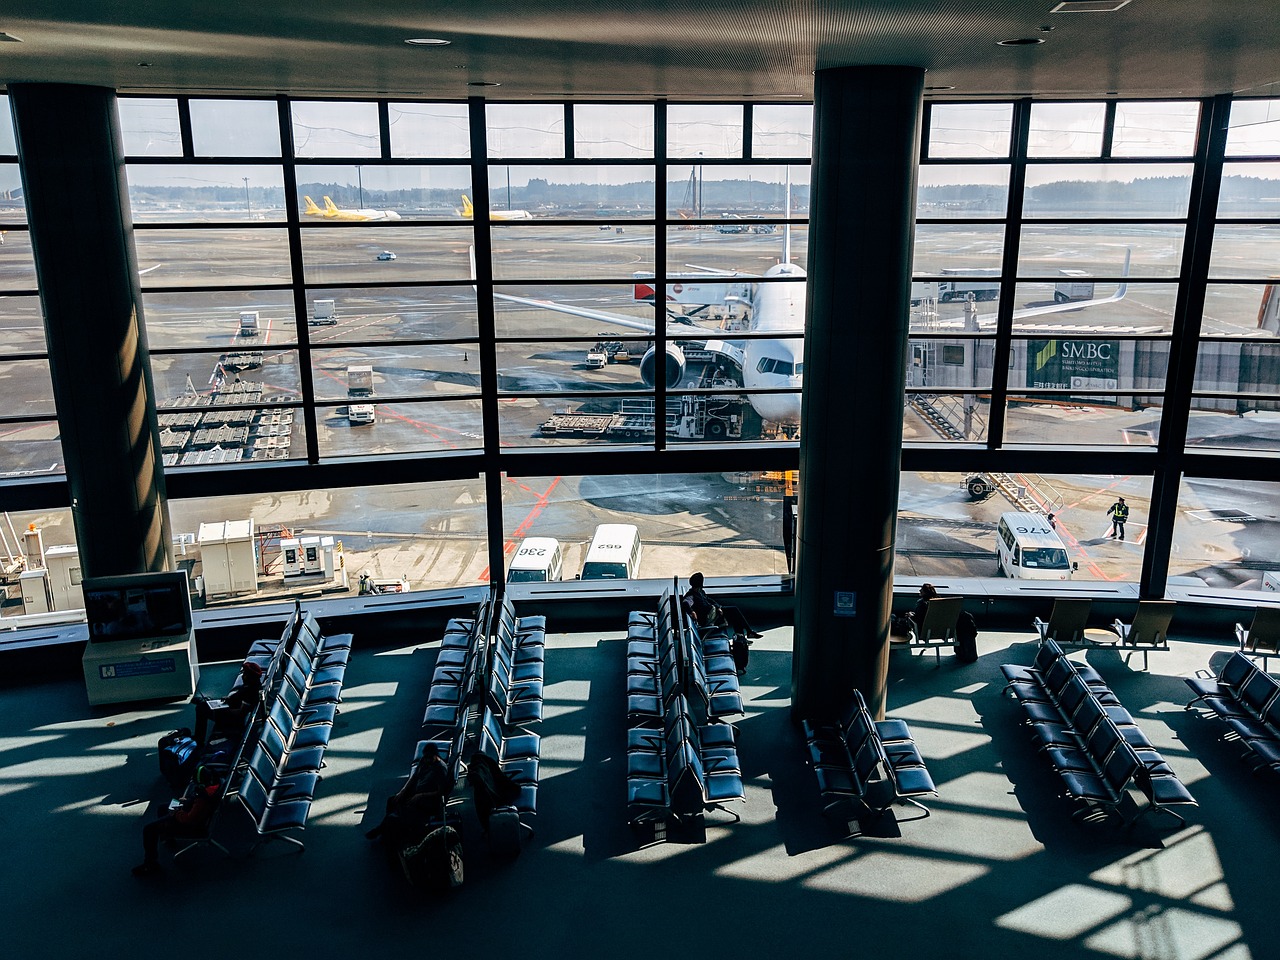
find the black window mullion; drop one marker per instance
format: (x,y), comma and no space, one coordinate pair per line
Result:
(1188,312)
(1009,273)
(297,269)
(486,321)
(660,276)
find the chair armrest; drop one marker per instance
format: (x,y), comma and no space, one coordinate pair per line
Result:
(1242,635)
(1122,629)
(1042,628)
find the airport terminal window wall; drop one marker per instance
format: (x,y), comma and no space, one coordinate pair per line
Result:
(310,272)
(29,444)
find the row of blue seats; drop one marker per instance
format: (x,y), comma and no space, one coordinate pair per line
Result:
(678,767)
(1093,743)
(1247,699)
(866,765)
(276,764)
(477,660)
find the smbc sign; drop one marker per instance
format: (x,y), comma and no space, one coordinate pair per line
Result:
(1073,364)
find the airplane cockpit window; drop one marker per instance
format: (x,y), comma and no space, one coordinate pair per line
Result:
(781,367)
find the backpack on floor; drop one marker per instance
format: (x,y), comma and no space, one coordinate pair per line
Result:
(435,863)
(966,637)
(179,754)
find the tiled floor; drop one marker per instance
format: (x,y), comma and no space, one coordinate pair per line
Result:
(999,869)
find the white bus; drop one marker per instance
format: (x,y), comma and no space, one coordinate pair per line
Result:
(539,560)
(1028,548)
(614,553)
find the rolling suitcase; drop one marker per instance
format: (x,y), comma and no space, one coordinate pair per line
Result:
(436,862)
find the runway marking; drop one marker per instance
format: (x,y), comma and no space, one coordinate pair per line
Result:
(522,530)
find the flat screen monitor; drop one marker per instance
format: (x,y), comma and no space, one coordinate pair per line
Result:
(142,606)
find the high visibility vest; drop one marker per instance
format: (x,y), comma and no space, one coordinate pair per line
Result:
(1121,511)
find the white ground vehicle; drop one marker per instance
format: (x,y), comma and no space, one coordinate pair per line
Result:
(361,413)
(614,553)
(325,312)
(539,560)
(1028,548)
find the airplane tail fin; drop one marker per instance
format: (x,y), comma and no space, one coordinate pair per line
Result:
(311,210)
(468,211)
(330,208)
(1124,274)
(786,229)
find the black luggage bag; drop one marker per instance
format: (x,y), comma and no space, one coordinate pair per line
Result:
(966,637)
(179,754)
(436,862)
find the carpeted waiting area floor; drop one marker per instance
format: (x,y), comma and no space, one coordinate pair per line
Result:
(998,870)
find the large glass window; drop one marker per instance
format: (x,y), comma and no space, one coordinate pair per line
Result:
(329,297)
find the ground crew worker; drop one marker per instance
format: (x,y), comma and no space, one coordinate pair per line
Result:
(1118,513)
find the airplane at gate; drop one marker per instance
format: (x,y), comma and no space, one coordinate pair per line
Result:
(468,212)
(773,362)
(333,212)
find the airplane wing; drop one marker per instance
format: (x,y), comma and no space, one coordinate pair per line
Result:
(989,319)
(587,313)
(603,316)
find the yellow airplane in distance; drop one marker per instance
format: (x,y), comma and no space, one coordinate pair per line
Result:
(468,212)
(333,212)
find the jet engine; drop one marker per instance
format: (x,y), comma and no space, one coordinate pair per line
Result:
(674,369)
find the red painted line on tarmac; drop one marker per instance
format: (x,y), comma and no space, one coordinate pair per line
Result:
(1070,538)
(522,530)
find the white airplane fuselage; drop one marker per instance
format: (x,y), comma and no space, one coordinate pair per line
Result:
(777,364)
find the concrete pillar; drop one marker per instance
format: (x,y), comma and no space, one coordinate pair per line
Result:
(71,154)
(861,229)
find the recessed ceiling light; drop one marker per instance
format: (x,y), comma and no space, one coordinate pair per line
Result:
(144,64)
(1089,6)
(483,83)
(9,38)
(428,42)
(940,87)
(1020,42)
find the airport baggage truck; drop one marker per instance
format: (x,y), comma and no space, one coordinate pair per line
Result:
(360,380)
(249,323)
(324,312)
(1075,285)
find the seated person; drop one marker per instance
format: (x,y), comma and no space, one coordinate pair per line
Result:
(420,799)
(927,592)
(230,713)
(189,819)
(707,613)
(490,787)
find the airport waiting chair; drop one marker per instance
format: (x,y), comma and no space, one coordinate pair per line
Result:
(1149,629)
(1066,622)
(939,627)
(1262,639)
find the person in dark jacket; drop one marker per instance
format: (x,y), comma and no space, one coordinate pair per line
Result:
(1119,513)
(190,819)
(421,798)
(707,613)
(231,712)
(490,787)
(927,592)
